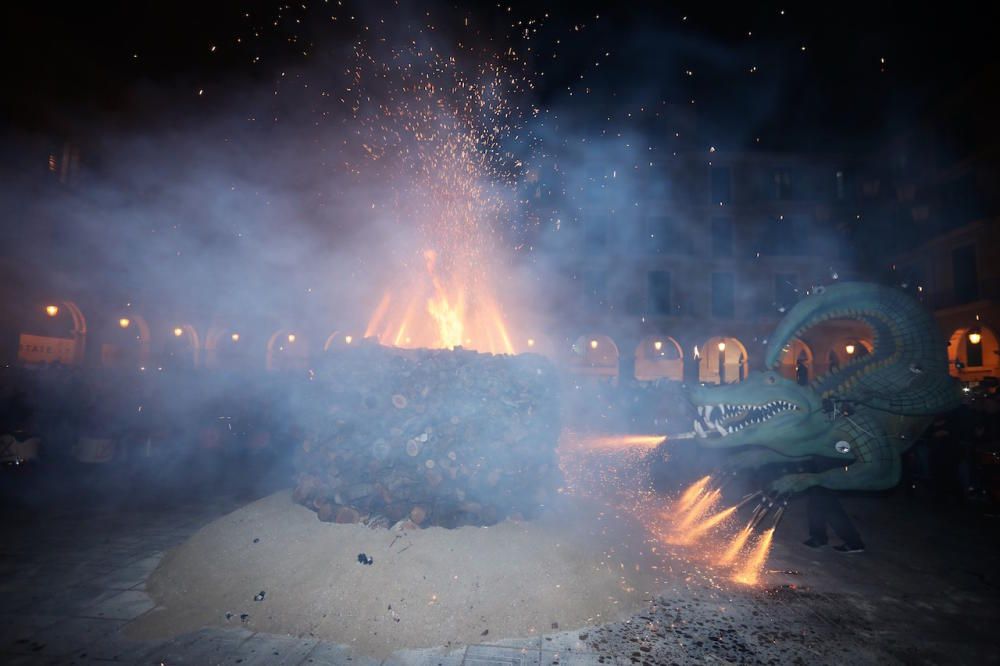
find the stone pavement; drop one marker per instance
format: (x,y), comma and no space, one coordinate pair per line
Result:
(71,580)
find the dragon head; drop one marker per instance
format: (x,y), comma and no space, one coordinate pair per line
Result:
(764,409)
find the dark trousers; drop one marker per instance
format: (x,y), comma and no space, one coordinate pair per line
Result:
(825,509)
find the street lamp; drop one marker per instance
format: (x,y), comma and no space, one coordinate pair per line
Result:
(593,344)
(658,345)
(52,310)
(291,337)
(178,332)
(235,337)
(722,346)
(975,336)
(348,339)
(531,342)
(849,348)
(124,322)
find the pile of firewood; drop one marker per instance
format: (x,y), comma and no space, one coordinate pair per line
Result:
(435,437)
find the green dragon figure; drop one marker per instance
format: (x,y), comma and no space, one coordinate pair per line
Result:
(865,413)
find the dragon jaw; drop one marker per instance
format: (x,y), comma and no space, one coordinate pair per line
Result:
(764,407)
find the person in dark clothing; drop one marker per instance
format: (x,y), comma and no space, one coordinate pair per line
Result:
(801,372)
(824,509)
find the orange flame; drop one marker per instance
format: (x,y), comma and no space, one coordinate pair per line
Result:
(441,313)
(750,573)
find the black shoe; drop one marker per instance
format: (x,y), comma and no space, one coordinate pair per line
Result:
(813,542)
(845,548)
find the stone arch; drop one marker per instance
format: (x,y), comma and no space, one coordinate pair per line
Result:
(113,352)
(181,334)
(220,345)
(286,349)
(340,339)
(978,360)
(735,361)
(595,355)
(659,357)
(794,351)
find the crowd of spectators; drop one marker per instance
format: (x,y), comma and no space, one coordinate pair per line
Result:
(117,431)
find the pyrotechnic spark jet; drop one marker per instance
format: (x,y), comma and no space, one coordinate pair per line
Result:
(749,574)
(736,545)
(702,506)
(611,442)
(692,493)
(712,521)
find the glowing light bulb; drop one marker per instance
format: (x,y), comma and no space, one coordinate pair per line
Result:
(975,337)
(722,346)
(348,339)
(52,310)
(849,348)
(235,337)
(531,342)
(658,345)
(178,332)
(124,322)
(593,344)
(291,337)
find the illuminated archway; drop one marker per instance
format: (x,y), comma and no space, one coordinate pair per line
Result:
(796,351)
(979,358)
(222,345)
(339,339)
(129,330)
(286,350)
(183,339)
(659,357)
(49,343)
(722,360)
(595,355)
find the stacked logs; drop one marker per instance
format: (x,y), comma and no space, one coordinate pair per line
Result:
(436,437)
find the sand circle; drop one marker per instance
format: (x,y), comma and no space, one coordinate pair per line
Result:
(572,567)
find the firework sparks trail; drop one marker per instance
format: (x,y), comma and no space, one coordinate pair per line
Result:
(753,567)
(691,528)
(735,546)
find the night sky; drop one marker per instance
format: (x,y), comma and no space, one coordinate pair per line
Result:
(795,77)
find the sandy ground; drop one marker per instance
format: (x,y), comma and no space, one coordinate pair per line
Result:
(425,588)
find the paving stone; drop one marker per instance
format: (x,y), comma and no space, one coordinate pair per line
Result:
(426,657)
(494,655)
(125,578)
(126,605)
(203,648)
(332,654)
(70,635)
(271,650)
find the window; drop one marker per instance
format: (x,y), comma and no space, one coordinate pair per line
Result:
(721,180)
(658,283)
(722,295)
(785,290)
(722,237)
(965,277)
